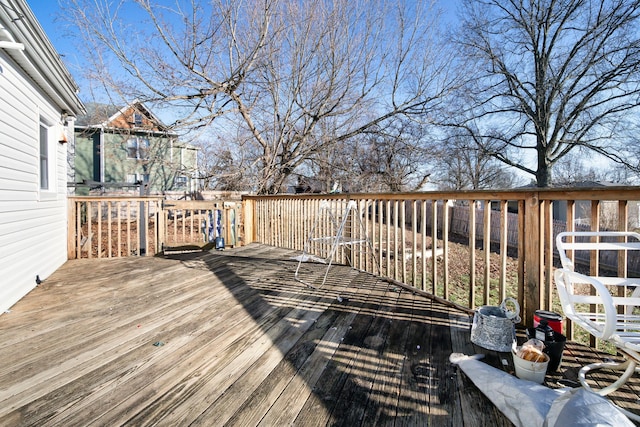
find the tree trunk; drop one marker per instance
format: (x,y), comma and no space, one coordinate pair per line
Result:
(543,173)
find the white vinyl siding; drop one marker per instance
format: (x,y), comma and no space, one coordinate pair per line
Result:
(33,221)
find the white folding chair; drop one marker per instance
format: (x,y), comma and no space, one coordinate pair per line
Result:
(600,304)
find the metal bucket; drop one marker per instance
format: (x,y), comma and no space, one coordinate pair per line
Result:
(494,327)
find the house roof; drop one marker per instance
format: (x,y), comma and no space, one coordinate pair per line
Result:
(576,184)
(139,107)
(24,40)
(109,116)
(97,114)
(591,184)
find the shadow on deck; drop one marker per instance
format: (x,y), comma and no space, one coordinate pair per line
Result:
(231,338)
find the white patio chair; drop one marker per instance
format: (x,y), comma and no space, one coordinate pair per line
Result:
(595,303)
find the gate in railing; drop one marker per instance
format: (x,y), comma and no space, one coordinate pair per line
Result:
(108,227)
(200,224)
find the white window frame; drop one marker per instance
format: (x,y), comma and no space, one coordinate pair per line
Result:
(138,119)
(46,160)
(132,147)
(181,181)
(133,178)
(138,145)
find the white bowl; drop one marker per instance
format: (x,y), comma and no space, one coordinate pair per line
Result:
(531,371)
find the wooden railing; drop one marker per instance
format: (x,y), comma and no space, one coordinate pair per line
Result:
(516,260)
(106,227)
(109,227)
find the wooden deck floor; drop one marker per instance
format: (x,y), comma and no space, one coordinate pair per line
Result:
(230,338)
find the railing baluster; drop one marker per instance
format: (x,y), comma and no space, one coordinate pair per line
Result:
(472,253)
(445,247)
(414,243)
(548,256)
(504,234)
(156,244)
(403,237)
(486,243)
(99,218)
(79,228)
(388,238)
(434,246)
(89,229)
(594,266)
(423,245)
(396,213)
(109,228)
(119,227)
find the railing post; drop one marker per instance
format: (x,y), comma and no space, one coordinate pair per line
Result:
(161,226)
(248,211)
(472,253)
(533,256)
(71,228)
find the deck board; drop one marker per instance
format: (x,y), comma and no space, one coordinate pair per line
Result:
(386,392)
(475,409)
(238,342)
(362,348)
(318,409)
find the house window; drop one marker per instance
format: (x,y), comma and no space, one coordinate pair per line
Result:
(44,156)
(132,148)
(137,119)
(137,148)
(180,181)
(137,177)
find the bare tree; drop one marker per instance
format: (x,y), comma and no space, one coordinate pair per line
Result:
(571,169)
(464,165)
(576,168)
(222,166)
(395,157)
(190,56)
(343,68)
(549,77)
(298,76)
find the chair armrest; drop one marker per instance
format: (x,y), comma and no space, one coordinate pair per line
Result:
(566,280)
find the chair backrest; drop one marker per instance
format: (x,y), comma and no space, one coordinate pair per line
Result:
(564,244)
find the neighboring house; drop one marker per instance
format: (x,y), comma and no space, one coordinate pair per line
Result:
(128,145)
(38,104)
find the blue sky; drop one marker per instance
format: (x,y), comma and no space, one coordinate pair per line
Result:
(48,14)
